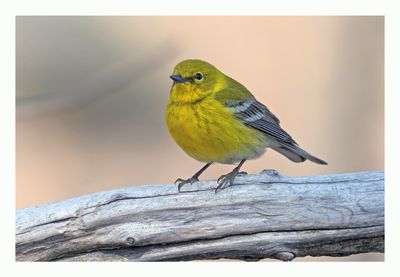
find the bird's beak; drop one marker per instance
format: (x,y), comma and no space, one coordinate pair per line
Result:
(178,78)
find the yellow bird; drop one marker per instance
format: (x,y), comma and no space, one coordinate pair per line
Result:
(215,119)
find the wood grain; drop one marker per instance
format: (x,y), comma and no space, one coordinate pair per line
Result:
(263,215)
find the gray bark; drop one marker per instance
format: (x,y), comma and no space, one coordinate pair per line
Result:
(262,216)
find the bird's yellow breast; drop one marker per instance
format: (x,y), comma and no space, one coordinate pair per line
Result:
(209,132)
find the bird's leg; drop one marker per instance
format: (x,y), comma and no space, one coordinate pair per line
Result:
(192,179)
(227,180)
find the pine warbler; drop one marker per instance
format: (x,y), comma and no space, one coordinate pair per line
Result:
(215,119)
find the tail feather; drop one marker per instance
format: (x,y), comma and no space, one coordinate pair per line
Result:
(296,154)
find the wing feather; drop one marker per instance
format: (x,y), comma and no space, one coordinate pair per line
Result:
(252,113)
(255,115)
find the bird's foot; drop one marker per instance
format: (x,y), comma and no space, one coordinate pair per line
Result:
(226,180)
(182,182)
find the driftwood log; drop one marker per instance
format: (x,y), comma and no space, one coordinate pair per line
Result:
(262,216)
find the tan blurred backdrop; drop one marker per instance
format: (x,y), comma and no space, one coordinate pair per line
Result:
(91,95)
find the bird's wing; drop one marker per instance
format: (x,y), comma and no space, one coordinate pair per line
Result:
(253,113)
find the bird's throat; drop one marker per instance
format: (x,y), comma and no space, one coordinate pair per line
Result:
(185,94)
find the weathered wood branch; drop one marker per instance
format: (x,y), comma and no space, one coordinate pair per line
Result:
(264,215)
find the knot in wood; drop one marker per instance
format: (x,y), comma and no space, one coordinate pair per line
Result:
(285,256)
(270,172)
(130,240)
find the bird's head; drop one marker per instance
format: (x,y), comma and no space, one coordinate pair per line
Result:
(194,80)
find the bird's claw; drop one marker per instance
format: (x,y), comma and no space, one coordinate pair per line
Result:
(182,182)
(225,181)
(179,180)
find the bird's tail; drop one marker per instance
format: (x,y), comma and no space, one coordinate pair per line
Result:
(296,154)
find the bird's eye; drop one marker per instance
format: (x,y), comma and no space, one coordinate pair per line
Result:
(198,76)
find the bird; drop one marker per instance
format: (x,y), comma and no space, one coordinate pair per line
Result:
(216,119)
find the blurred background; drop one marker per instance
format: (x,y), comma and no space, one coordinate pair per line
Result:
(91,95)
